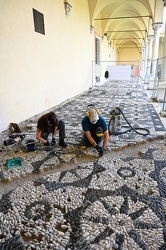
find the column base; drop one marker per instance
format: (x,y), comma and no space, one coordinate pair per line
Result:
(142,75)
(163,113)
(161,90)
(152,83)
(147,78)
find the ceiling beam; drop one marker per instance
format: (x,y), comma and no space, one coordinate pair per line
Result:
(136,47)
(127,44)
(127,38)
(122,31)
(122,17)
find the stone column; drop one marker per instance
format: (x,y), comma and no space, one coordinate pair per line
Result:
(149,58)
(156,27)
(161,89)
(146,56)
(142,73)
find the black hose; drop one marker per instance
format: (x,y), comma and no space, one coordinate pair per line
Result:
(128,130)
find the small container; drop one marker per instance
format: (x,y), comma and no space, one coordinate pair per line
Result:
(8,142)
(14,163)
(31,145)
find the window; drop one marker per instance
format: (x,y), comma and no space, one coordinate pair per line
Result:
(38,21)
(97,50)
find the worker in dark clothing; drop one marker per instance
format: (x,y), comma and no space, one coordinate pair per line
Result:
(49,124)
(95,130)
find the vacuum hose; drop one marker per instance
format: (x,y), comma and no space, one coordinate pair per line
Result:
(117,112)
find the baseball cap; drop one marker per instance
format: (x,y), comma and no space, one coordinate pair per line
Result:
(93,116)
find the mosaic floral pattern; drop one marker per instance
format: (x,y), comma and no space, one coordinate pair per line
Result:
(94,206)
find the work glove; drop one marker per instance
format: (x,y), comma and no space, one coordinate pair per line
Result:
(53,142)
(100,150)
(46,143)
(105,150)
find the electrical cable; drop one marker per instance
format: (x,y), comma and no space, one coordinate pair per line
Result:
(128,130)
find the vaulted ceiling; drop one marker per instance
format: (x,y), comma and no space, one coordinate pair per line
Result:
(125,22)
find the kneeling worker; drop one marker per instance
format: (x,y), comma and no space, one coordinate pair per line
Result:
(95,130)
(49,124)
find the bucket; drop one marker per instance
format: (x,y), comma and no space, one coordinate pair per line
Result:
(31,145)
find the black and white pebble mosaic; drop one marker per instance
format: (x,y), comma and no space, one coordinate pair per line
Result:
(130,97)
(106,203)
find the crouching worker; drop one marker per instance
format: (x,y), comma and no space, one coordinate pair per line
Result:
(49,124)
(95,130)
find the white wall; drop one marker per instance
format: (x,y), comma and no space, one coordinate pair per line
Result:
(39,71)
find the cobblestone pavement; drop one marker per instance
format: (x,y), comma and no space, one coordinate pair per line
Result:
(70,198)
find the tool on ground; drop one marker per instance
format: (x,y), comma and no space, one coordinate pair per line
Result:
(13,138)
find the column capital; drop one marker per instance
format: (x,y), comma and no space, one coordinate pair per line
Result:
(156,26)
(150,37)
(164,2)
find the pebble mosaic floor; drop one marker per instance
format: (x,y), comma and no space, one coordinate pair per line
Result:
(106,203)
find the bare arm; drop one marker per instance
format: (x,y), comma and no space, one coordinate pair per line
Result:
(90,138)
(105,140)
(38,135)
(92,141)
(55,130)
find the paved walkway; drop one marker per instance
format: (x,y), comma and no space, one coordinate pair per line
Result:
(116,201)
